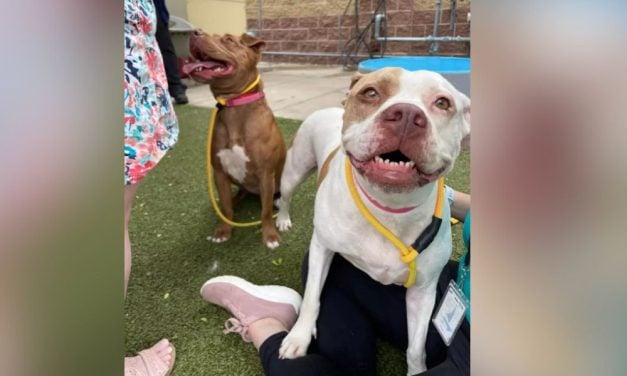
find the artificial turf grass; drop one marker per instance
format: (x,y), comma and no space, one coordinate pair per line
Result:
(172,258)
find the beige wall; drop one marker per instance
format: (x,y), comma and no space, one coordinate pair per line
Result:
(218,16)
(213,16)
(177,7)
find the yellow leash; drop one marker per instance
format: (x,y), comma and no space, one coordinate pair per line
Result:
(212,121)
(408,254)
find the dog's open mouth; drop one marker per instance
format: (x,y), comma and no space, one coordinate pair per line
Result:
(394,169)
(208,69)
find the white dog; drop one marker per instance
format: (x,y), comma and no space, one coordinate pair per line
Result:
(401,131)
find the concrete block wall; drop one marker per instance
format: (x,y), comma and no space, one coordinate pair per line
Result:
(317,26)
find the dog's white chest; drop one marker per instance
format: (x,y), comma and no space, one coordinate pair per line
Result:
(234,162)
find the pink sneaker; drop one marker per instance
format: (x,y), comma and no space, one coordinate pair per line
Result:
(249,302)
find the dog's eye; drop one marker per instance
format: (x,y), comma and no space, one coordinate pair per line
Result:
(442,103)
(370,94)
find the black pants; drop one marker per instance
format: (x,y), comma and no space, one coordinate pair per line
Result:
(170,61)
(355,310)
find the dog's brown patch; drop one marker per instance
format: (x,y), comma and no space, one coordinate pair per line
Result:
(358,106)
(324,170)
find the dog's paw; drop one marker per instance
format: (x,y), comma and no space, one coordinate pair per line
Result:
(272,245)
(271,237)
(222,234)
(416,362)
(294,345)
(216,240)
(283,222)
(416,371)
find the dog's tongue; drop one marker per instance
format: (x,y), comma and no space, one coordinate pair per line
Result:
(202,68)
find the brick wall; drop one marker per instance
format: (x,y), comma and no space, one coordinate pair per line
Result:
(320,27)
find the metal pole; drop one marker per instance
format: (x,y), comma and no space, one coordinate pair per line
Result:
(429,39)
(377,26)
(453,20)
(436,22)
(260,18)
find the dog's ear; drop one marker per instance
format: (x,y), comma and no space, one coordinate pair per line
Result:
(253,42)
(356,77)
(465,101)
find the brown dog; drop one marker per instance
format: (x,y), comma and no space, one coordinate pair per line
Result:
(247,149)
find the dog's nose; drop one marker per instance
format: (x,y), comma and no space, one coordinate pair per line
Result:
(402,113)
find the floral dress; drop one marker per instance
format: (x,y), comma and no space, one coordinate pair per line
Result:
(150,124)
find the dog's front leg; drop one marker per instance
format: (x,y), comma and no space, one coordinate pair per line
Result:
(271,236)
(297,341)
(420,301)
(223,232)
(300,162)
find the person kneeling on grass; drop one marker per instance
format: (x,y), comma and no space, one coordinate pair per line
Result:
(355,310)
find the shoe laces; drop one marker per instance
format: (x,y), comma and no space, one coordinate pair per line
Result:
(233,325)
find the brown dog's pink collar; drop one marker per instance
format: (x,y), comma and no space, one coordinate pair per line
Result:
(244,99)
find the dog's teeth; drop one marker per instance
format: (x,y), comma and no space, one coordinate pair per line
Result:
(378,159)
(410,163)
(386,161)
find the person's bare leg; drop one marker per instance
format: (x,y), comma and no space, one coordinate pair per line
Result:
(162,349)
(157,360)
(262,329)
(129,198)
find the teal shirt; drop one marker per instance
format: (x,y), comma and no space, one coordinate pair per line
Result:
(463,272)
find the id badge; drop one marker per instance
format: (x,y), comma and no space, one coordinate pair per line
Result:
(449,315)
